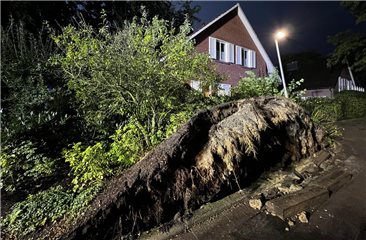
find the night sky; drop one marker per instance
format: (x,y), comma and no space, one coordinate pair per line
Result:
(309,23)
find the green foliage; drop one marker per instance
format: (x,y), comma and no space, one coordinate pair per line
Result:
(358,9)
(293,90)
(27,100)
(350,46)
(22,166)
(36,210)
(82,198)
(137,74)
(90,165)
(350,49)
(325,112)
(353,104)
(126,146)
(253,86)
(46,206)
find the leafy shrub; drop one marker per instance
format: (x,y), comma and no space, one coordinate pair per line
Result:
(22,166)
(293,90)
(253,86)
(33,91)
(323,109)
(353,104)
(46,206)
(82,198)
(36,210)
(126,146)
(90,165)
(136,74)
(324,112)
(344,105)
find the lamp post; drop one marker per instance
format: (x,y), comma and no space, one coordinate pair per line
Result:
(279,35)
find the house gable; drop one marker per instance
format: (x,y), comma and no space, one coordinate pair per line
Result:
(233,26)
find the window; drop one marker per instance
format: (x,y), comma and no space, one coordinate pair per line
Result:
(224,89)
(221,50)
(245,57)
(196,85)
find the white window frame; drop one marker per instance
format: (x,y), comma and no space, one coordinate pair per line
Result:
(224,47)
(251,59)
(196,85)
(223,89)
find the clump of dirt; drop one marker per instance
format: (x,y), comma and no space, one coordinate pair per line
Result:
(218,152)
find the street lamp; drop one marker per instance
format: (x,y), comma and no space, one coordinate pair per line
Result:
(278,36)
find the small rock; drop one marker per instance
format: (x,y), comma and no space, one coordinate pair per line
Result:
(303,217)
(290,223)
(287,229)
(255,203)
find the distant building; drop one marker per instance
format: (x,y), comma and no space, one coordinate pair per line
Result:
(233,47)
(319,81)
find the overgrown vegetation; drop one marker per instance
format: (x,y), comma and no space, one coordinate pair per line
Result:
(85,103)
(325,112)
(254,86)
(92,104)
(44,207)
(22,167)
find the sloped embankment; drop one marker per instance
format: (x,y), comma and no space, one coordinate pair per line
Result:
(217,152)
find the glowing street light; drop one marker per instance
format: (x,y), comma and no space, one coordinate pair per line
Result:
(278,36)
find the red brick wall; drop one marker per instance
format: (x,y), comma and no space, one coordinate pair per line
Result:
(231,29)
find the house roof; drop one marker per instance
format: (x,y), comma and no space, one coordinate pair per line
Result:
(250,30)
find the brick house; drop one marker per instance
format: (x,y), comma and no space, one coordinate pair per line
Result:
(233,47)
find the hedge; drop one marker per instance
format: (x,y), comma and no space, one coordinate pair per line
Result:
(344,105)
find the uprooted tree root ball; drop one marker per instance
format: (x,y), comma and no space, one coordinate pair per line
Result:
(216,153)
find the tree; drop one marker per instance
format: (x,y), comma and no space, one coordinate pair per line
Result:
(137,74)
(357,8)
(61,13)
(350,46)
(350,49)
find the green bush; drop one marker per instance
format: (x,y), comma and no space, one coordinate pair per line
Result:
(353,104)
(136,74)
(46,206)
(33,93)
(324,112)
(126,147)
(22,166)
(90,165)
(36,210)
(323,109)
(253,86)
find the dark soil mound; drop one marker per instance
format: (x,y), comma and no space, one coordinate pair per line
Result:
(216,153)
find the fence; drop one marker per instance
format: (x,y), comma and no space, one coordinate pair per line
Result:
(346,84)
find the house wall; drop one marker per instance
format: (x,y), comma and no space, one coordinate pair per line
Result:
(231,29)
(322,92)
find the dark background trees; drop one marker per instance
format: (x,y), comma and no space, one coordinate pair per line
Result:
(61,13)
(350,47)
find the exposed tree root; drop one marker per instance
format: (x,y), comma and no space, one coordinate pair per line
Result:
(217,152)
